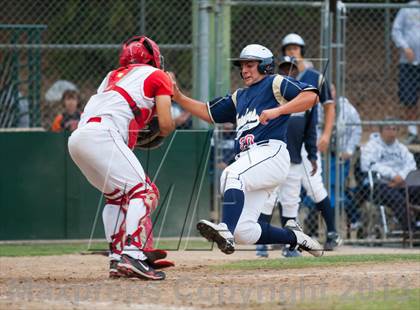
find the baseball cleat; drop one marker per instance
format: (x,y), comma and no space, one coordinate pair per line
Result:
(304,242)
(132,267)
(113,270)
(218,233)
(333,240)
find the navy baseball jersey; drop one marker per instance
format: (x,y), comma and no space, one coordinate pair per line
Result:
(246,104)
(313,77)
(302,129)
(302,125)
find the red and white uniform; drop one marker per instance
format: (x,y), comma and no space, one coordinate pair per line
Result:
(141,82)
(99,146)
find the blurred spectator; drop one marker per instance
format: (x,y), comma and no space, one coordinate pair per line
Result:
(347,135)
(57,89)
(69,119)
(181,117)
(349,130)
(23,108)
(14,109)
(390,162)
(406,36)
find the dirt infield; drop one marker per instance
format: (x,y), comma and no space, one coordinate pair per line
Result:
(81,282)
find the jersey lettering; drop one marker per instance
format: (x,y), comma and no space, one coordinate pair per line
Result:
(246,141)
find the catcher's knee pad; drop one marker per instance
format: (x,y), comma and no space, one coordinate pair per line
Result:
(230,180)
(146,232)
(247,232)
(151,196)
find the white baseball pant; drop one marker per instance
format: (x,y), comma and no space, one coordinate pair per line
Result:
(99,151)
(256,172)
(288,193)
(313,185)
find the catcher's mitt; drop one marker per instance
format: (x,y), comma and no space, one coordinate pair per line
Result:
(149,137)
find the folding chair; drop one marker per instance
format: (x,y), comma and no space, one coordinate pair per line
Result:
(412,179)
(379,225)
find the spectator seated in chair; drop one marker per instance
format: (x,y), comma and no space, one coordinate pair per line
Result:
(390,162)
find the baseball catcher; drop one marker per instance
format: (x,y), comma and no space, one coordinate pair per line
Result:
(134,97)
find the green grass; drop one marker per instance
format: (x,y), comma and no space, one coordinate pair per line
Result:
(305,262)
(46,249)
(174,245)
(408,299)
(73,248)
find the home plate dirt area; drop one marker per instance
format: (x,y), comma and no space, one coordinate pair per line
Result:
(81,282)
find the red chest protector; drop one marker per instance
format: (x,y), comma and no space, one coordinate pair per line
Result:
(142,116)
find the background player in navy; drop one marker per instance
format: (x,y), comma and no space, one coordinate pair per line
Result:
(293,45)
(261,111)
(301,128)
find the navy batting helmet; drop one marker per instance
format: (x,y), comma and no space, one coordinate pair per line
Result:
(259,53)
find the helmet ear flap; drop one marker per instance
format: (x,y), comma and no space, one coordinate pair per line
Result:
(266,66)
(262,68)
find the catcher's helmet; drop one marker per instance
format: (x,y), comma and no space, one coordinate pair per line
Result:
(259,53)
(140,50)
(293,38)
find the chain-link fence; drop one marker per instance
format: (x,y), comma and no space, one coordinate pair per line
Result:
(356,45)
(266,23)
(382,85)
(364,64)
(79,42)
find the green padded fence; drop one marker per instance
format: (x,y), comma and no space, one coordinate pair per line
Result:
(43,195)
